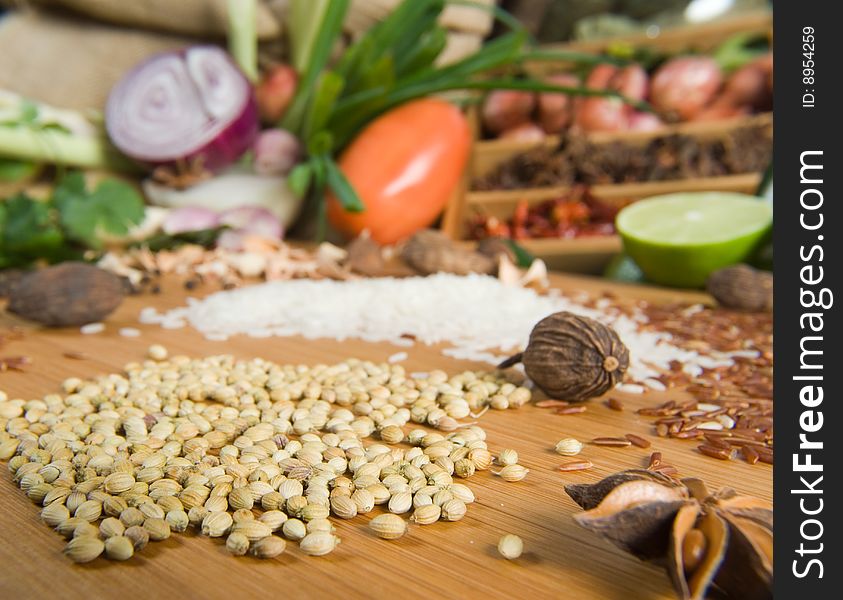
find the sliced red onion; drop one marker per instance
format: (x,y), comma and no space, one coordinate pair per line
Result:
(253,220)
(276,152)
(186,106)
(190,218)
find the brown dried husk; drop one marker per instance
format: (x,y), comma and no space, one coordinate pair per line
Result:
(69,294)
(589,495)
(628,509)
(643,531)
(430,251)
(574,358)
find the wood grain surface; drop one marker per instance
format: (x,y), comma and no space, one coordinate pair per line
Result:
(444,560)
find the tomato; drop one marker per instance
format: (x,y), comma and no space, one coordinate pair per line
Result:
(404,165)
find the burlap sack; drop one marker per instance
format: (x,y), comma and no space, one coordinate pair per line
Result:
(70,62)
(204,18)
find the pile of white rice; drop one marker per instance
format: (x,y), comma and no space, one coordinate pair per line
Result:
(477,317)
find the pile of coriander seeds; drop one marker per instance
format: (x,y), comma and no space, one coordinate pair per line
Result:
(249,450)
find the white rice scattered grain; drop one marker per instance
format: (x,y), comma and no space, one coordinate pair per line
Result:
(129,332)
(476,317)
(397,357)
(92,328)
(630,388)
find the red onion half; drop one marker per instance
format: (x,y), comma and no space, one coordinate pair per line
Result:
(192,105)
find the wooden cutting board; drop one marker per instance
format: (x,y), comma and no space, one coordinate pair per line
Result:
(444,560)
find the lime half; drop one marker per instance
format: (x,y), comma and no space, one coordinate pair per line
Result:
(679,239)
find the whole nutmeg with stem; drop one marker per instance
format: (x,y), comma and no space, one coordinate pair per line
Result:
(571,357)
(741,286)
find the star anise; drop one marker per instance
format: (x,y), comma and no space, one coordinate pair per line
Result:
(709,543)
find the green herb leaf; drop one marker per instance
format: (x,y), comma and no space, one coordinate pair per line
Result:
(162,241)
(341,187)
(112,208)
(29,230)
(12,170)
(298,180)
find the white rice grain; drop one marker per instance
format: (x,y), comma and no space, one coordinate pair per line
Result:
(475,317)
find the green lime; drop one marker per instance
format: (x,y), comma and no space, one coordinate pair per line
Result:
(678,239)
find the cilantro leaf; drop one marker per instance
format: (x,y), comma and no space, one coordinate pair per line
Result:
(29,231)
(12,170)
(112,208)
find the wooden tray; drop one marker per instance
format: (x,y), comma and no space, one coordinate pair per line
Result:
(589,254)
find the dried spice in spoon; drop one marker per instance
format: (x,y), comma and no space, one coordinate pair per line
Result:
(571,357)
(706,541)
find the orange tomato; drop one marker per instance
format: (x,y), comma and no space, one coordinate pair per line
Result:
(404,166)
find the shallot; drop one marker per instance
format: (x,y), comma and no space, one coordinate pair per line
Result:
(556,110)
(506,109)
(276,152)
(187,108)
(685,85)
(275,92)
(190,218)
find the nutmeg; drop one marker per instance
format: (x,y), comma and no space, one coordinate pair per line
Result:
(69,294)
(743,287)
(573,358)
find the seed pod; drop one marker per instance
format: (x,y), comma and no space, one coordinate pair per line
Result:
(114,506)
(314,511)
(392,434)
(110,527)
(217,524)
(568,447)
(158,529)
(119,547)
(151,511)
(388,526)
(69,294)
(131,517)
(425,515)
(318,543)
(84,549)
(513,473)
(68,526)
(464,468)
(453,510)
(86,529)
(254,530)
(742,287)
(196,515)
(177,520)
(481,458)
(400,503)
(241,498)
(294,529)
(138,535)
(237,544)
(364,500)
(90,510)
(119,482)
(320,525)
(274,518)
(507,457)
(570,357)
(54,514)
(268,547)
(510,546)
(343,507)
(462,492)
